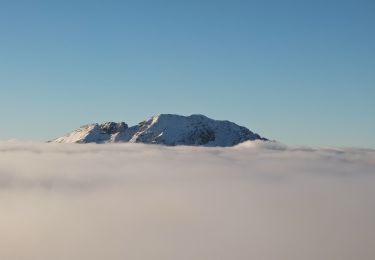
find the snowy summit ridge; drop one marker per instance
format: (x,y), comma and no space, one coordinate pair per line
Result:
(166,129)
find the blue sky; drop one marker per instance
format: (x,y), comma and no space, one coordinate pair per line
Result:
(301,72)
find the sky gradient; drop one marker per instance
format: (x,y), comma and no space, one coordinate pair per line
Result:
(301,72)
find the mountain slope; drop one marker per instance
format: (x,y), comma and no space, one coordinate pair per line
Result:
(166,129)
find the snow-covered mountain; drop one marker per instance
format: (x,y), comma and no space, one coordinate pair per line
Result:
(166,129)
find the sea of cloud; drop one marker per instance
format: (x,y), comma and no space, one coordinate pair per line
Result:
(261,201)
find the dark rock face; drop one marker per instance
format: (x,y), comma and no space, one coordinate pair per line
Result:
(112,127)
(200,136)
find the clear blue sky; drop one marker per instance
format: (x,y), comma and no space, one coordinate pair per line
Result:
(301,72)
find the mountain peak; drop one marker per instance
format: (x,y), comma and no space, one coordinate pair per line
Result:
(166,129)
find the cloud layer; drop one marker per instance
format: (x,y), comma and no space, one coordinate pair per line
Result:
(133,201)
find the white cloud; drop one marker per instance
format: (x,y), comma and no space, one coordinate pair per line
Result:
(133,201)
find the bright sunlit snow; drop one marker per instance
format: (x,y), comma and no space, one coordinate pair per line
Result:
(167,129)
